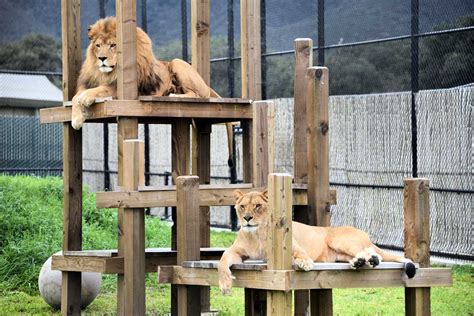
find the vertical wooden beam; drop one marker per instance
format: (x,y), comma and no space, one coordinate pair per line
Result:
(127,128)
(134,231)
(200,38)
(180,166)
(317,133)
(251,49)
(72,156)
(201,61)
(303,60)
(187,190)
(263,142)
(416,211)
(279,239)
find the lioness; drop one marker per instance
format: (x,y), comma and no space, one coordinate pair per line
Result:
(310,243)
(98,76)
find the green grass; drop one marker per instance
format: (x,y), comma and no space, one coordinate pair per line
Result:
(30,231)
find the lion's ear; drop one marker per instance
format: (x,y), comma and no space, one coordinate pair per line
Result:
(265,194)
(237,194)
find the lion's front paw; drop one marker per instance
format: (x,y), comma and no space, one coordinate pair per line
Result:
(225,282)
(304,264)
(77,116)
(357,263)
(84,100)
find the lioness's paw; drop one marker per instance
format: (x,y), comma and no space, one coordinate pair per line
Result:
(304,264)
(225,282)
(357,263)
(374,261)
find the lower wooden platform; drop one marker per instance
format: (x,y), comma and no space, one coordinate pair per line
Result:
(322,276)
(108,261)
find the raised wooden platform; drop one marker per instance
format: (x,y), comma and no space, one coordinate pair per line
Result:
(108,261)
(151,109)
(322,276)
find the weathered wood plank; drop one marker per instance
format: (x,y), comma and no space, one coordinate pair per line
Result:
(279,239)
(317,139)
(281,280)
(188,238)
(134,231)
(218,109)
(72,155)
(262,146)
(200,38)
(209,195)
(416,211)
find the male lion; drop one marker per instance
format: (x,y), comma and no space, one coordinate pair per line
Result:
(98,77)
(310,243)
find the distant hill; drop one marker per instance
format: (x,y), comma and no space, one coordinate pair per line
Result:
(346,20)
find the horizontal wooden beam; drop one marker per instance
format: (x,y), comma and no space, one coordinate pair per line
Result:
(108,261)
(163,107)
(210,195)
(286,280)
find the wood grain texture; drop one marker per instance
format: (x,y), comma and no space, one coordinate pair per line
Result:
(127,87)
(72,154)
(279,240)
(303,60)
(416,212)
(286,280)
(317,138)
(263,147)
(200,38)
(188,239)
(133,231)
(251,49)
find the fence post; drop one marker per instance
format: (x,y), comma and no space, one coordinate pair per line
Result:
(417,240)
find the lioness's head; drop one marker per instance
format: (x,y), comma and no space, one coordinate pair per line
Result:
(251,209)
(103,44)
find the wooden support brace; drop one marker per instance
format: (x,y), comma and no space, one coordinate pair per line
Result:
(416,213)
(188,240)
(279,240)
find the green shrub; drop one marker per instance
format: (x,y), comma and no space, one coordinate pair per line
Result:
(31,215)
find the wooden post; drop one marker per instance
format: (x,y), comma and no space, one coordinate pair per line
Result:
(303,60)
(127,128)
(317,133)
(180,166)
(134,231)
(251,49)
(72,156)
(187,191)
(200,57)
(279,239)
(416,213)
(263,141)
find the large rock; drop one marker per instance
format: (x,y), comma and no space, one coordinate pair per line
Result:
(49,283)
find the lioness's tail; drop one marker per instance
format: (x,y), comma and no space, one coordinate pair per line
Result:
(410,268)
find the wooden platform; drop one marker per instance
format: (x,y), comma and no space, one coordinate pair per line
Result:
(108,261)
(323,276)
(149,109)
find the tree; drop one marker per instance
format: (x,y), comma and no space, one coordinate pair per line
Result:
(33,52)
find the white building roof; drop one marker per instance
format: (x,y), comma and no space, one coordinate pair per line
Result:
(32,91)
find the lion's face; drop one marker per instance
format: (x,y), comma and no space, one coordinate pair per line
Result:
(105,53)
(251,210)
(103,44)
